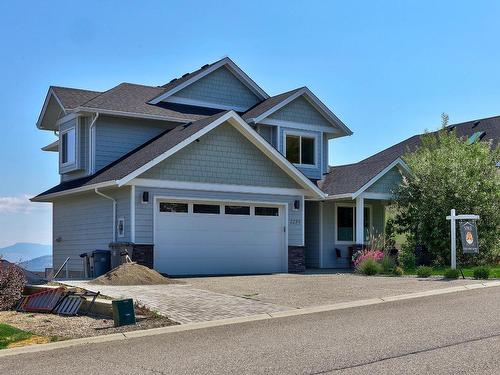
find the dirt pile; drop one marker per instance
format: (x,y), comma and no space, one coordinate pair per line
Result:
(132,274)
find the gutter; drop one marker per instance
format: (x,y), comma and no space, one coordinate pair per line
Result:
(114,210)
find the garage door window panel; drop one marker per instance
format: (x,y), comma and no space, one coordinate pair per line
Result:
(266,211)
(206,209)
(173,207)
(237,210)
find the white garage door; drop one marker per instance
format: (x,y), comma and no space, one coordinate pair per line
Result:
(202,238)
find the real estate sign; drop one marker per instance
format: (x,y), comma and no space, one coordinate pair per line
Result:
(468,232)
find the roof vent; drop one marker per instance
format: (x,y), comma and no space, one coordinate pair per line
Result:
(175,79)
(476,123)
(184,75)
(205,66)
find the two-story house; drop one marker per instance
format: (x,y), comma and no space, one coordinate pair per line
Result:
(208,174)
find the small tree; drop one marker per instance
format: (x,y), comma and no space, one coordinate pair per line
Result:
(12,282)
(448,172)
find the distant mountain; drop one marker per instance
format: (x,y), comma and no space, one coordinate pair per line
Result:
(23,251)
(37,264)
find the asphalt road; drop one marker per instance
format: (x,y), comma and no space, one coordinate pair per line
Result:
(446,334)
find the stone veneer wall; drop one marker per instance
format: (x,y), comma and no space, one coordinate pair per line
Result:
(296,259)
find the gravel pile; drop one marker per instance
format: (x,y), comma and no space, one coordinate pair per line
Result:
(132,274)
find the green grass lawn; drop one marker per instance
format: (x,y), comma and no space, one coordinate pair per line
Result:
(468,271)
(10,335)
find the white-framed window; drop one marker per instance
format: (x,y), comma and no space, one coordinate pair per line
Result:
(345,223)
(300,149)
(68,146)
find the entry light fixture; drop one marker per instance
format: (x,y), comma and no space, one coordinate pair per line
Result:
(145,197)
(296,204)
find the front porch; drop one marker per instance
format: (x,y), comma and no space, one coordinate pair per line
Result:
(336,228)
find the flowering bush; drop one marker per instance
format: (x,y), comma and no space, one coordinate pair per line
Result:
(12,283)
(362,255)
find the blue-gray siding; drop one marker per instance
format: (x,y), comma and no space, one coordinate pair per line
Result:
(84,222)
(220,87)
(300,111)
(144,211)
(312,234)
(117,136)
(387,183)
(222,156)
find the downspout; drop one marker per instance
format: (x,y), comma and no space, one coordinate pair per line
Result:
(114,211)
(92,144)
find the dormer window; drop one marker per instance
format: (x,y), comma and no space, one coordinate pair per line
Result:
(68,146)
(300,149)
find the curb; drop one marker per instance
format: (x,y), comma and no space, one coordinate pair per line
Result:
(252,318)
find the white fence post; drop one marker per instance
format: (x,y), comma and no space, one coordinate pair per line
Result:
(453,241)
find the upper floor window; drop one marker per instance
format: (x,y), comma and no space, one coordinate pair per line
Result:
(68,146)
(300,149)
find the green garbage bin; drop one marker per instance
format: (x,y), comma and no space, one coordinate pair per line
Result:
(123,312)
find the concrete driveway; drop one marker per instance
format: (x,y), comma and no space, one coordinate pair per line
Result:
(315,289)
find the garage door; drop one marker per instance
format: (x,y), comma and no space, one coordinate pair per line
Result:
(202,238)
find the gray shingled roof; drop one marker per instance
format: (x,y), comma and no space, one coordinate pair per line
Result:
(71,98)
(268,104)
(138,157)
(133,98)
(347,179)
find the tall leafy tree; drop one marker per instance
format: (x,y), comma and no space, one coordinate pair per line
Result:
(448,172)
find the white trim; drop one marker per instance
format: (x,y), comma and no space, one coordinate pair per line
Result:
(46,198)
(50,93)
(398,161)
(132,214)
(245,79)
(315,102)
(191,200)
(381,196)
(339,196)
(234,119)
(131,114)
(303,134)
(66,118)
(201,103)
(299,125)
(353,206)
(92,144)
(227,188)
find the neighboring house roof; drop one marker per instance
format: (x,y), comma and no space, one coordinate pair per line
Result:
(350,178)
(263,110)
(162,146)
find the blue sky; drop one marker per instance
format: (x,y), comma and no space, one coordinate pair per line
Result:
(387,69)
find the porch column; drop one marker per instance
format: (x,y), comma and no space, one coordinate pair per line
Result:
(360,220)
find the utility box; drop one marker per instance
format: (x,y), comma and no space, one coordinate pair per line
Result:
(123,312)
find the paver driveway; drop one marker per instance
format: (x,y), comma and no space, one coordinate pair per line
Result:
(184,303)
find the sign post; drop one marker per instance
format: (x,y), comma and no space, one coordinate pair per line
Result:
(453,217)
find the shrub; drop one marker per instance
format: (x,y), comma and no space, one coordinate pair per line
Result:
(387,264)
(407,259)
(360,256)
(12,283)
(397,271)
(481,273)
(424,271)
(368,267)
(450,273)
